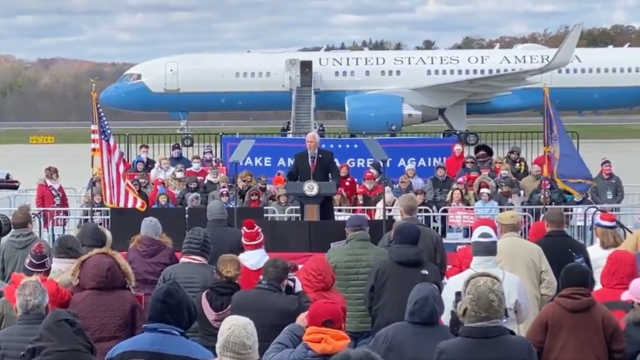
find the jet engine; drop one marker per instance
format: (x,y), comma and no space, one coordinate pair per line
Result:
(376,113)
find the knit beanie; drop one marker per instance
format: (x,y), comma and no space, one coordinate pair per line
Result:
(325,313)
(237,339)
(197,243)
(92,237)
(406,233)
(484,242)
(485,222)
(150,227)
(606,220)
(216,210)
(605,162)
(576,275)
(67,247)
(38,260)
(252,237)
(537,231)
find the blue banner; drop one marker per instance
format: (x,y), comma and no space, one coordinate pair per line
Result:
(272,154)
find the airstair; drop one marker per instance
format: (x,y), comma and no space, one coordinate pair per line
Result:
(302,112)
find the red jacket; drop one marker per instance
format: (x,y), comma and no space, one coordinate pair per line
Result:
(540,161)
(454,163)
(59,297)
(153,195)
(460,261)
(618,272)
(108,309)
(45,199)
(317,279)
(348,184)
(251,264)
(199,174)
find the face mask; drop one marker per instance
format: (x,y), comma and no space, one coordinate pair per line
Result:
(369,185)
(197,166)
(144,156)
(193,188)
(179,175)
(504,174)
(536,176)
(176,153)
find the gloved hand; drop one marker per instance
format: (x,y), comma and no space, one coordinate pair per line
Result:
(294,284)
(454,324)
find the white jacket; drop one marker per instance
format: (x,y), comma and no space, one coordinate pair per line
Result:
(598,257)
(514,291)
(159,173)
(391,210)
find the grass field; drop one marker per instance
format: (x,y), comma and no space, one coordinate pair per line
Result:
(76,136)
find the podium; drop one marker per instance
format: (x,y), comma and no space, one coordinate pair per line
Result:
(310,194)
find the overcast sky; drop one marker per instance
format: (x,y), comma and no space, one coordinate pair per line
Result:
(138,30)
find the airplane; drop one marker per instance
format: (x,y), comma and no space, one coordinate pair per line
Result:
(378,89)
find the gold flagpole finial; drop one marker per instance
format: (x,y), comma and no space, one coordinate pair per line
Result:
(93,86)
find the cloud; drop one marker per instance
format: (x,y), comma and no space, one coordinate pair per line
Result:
(138,30)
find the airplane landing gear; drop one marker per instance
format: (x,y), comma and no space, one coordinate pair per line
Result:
(464,137)
(184,127)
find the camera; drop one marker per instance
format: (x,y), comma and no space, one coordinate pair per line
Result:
(7,182)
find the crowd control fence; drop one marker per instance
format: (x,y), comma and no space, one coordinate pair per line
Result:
(453,223)
(501,141)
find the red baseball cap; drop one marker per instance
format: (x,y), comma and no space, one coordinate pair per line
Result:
(325,313)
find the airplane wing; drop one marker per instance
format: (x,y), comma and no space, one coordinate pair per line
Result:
(485,87)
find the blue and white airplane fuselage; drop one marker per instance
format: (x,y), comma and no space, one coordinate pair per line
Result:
(377,89)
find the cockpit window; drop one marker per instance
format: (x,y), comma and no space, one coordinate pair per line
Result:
(129,78)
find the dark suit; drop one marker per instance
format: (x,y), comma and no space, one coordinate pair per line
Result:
(326,170)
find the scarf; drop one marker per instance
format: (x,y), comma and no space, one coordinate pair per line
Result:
(193,259)
(52,183)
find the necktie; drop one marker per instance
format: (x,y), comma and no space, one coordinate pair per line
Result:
(312,163)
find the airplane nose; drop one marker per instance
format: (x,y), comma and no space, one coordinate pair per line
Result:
(110,96)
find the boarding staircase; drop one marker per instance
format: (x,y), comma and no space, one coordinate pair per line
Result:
(302,112)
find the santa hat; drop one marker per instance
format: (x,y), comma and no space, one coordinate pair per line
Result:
(252,238)
(606,220)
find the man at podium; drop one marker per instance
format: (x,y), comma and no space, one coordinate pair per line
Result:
(317,165)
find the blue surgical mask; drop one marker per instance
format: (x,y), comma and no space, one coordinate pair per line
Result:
(196,166)
(568,197)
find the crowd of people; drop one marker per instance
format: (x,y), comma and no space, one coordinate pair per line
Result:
(222,296)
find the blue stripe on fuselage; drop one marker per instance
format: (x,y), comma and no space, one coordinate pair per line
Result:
(138,97)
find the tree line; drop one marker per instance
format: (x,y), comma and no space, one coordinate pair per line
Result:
(58,89)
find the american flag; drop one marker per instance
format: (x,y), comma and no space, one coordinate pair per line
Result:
(95,138)
(117,191)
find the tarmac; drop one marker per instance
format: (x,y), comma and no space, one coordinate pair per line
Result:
(205,124)
(73,163)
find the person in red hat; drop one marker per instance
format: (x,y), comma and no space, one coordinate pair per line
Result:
(317,334)
(608,239)
(254,257)
(461,260)
(370,186)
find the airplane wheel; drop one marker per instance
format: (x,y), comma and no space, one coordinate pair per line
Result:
(187,141)
(470,138)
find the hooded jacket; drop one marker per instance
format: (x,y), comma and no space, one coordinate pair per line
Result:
(454,163)
(312,343)
(251,264)
(214,305)
(153,195)
(171,313)
(318,280)
(14,251)
(103,299)
(61,337)
(386,297)
(575,311)
(183,196)
(419,333)
(621,268)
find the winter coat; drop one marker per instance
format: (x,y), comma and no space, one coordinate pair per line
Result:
(14,251)
(214,305)
(15,339)
(621,268)
(103,300)
(312,343)
(59,297)
(61,337)
(318,281)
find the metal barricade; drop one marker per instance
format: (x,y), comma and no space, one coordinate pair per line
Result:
(28,197)
(501,141)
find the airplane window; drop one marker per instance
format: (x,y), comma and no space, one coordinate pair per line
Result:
(122,78)
(621,70)
(428,72)
(598,70)
(344,73)
(237,74)
(559,71)
(590,70)
(337,73)
(397,72)
(583,71)
(467,72)
(260,74)
(513,70)
(367,73)
(481,71)
(638,69)
(444,72)
(490,71)
(475,71)
(497,71)
(575,70)
(459,71)
(390,72)
(135,77)
(253,74)
(629,70)
(452,72)
(382,72)
(614,70)
(436,72)
(606,70)
(353,73)
(268,74)
(244,74)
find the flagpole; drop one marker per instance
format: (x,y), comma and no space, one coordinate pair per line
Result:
(94,97)
(545,130)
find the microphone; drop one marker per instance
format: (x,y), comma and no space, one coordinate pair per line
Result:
(291,176)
